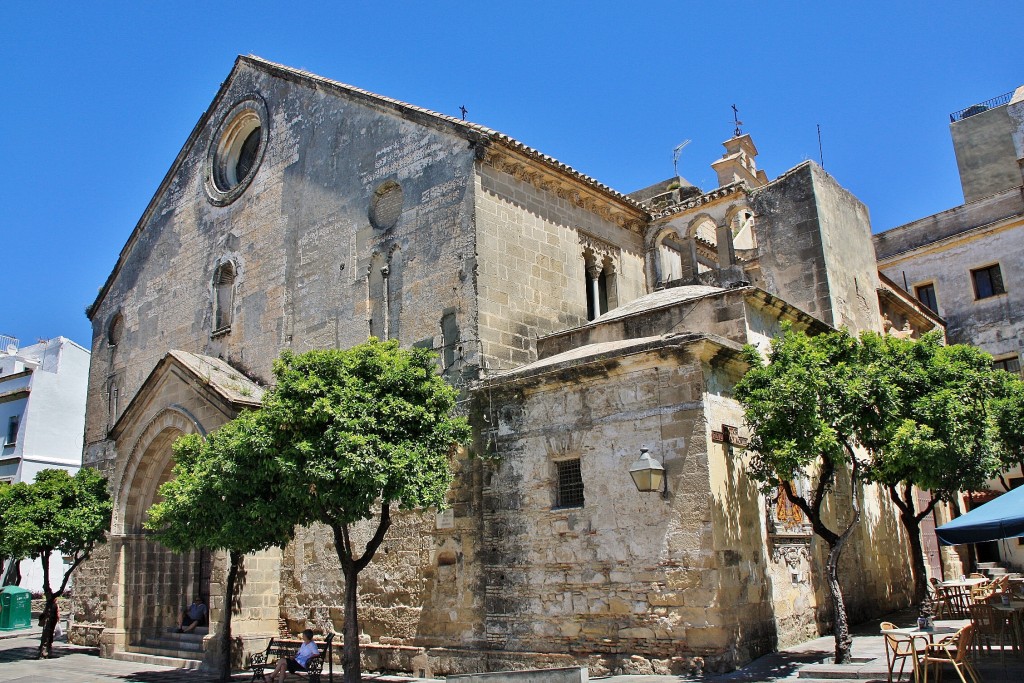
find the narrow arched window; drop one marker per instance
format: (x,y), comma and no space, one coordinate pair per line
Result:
(224,295)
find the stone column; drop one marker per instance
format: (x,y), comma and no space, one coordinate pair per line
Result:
(594,288)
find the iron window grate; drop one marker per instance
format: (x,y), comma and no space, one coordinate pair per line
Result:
(570,484)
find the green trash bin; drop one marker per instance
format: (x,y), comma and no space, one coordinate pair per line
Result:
(15,608)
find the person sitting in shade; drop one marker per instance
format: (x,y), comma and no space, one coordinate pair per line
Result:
(194,615)
(306,652)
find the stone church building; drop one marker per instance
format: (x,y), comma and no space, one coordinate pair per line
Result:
(581,324)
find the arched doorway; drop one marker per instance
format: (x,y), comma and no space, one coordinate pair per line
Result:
(155,583)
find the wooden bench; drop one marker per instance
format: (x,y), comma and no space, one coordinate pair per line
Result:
(279,648)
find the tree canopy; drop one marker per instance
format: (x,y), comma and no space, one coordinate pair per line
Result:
(812,408)
(57,513)
(341,438)
(223,495)
(357,431)
(937,435)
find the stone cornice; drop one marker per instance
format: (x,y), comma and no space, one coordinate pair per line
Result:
(700,200)
(547,179)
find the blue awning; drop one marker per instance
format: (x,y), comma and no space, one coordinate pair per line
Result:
(999,518)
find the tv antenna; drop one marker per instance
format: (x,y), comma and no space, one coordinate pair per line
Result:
(676,151)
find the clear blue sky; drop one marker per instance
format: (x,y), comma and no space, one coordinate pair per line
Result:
(99,97)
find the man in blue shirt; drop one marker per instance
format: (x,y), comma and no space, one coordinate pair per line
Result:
(306,652)
(194,615)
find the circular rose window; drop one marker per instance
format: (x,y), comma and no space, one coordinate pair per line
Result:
(236,151)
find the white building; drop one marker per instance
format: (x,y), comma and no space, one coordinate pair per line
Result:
(42,417)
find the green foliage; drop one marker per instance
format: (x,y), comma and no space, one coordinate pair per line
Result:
(224,492)
(938,435)
(55,513)
(1007,409)
(366,426)
(810,405)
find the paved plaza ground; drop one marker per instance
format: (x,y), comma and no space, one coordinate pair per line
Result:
(806,663)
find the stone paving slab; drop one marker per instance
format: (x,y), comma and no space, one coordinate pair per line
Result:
(804,663)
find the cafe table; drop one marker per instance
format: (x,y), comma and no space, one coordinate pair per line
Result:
(963,583)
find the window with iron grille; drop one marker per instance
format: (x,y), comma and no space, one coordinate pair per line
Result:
(1009,364)
(988,282)
(570,484)
(926,295)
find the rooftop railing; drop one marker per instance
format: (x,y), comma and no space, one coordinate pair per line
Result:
(980,107)
(6,342)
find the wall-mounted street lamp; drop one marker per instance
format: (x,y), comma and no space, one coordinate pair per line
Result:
(648,474)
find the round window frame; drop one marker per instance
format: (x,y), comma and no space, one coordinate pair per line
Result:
(226,144)
(374,211)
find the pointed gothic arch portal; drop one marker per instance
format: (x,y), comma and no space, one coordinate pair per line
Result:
(157,582)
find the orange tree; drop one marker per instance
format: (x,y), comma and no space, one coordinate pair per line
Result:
(359,433)
(813,408)
(55,514)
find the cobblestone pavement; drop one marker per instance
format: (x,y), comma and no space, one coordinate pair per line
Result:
(803,663)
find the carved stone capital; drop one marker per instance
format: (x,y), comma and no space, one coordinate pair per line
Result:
(791,550)
(599,247)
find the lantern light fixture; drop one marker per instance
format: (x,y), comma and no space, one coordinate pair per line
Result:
(648,474)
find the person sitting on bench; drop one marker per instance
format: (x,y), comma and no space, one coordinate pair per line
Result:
(194,615)
(306,652)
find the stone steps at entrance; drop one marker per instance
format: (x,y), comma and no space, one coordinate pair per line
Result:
(157,659)
(169,643)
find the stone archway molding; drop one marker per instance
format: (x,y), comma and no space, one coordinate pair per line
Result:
(173,416)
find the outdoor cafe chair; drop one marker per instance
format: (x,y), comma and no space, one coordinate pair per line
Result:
(900,648)
(956,600)
(991,628)
(953,650)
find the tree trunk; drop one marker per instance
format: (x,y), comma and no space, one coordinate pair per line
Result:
(841,630)
(350,650)
(49,612)
(911,520)
(229,608)
(916,558)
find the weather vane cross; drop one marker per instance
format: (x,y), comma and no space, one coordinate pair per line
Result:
(464,111)
(736,120)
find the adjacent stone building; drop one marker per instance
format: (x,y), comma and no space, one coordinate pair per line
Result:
(967,263)
(581,325)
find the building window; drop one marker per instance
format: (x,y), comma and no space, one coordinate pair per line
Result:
(1009,364)
(988,282)
(236,150)
(926,295)
(115,330)
(601,288)
(224,296)
(570,484)
(12,430)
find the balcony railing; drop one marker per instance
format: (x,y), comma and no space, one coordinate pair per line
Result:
(980,107)
(6,342)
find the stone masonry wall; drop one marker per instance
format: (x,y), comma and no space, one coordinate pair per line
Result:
(301,241)
(627,572)
(531,268)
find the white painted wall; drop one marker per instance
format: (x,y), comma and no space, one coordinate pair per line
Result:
(52,422)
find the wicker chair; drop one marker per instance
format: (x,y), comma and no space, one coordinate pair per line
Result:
(954,650)
(991,628)
(900,648)
(956,601)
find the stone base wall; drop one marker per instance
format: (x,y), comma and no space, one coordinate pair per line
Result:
(439,661)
